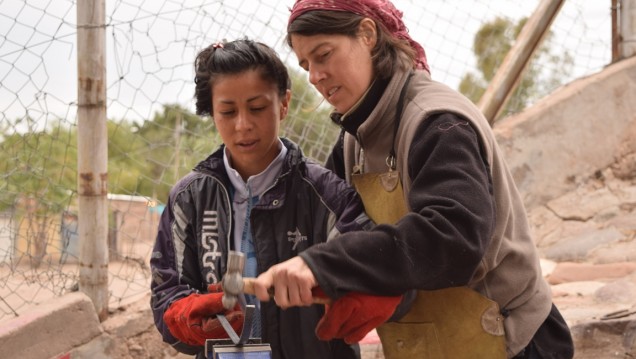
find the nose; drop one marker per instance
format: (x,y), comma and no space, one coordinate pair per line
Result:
(315,75)
(243,121)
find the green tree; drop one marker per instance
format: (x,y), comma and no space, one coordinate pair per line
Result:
(167,147)
(38,179)
(125,164)
(39,164)
(545,71)
(308,122)
(144,158)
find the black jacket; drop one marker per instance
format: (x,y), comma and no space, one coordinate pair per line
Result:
(306,205)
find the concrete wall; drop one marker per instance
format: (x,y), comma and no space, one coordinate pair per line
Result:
(135,220)
(579,129)
(50,329)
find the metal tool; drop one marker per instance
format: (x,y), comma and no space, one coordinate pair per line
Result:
(232,281)
(618,314)
(235,285)
(238,346)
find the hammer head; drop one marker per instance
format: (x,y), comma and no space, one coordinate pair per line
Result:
(232,281)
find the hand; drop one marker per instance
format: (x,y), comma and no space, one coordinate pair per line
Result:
(354,315)
(192,319)
(292,281)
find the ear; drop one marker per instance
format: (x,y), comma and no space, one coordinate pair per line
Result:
(368,32)
(284,108)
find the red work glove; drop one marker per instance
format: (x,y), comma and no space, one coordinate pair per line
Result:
(192,319)
(354,315)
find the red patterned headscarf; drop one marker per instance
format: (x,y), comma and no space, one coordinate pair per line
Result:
(382,11)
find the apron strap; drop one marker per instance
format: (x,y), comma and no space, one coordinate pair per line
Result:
(391,162)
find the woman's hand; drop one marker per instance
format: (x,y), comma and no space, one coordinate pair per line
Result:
(292,282)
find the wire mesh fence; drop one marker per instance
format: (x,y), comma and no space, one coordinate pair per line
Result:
(154,136)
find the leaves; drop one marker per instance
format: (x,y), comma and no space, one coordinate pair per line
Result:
(308,122)
(144,158)
(40,165)
(545,71)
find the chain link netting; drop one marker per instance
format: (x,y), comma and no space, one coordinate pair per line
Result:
(154,136)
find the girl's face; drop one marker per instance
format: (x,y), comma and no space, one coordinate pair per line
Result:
(247,112)
(339,66)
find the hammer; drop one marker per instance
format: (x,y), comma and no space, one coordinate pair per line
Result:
(234,284)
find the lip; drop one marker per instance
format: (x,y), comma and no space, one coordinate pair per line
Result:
(331,92)
(246,144)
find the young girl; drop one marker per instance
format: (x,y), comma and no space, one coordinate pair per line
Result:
(256,194)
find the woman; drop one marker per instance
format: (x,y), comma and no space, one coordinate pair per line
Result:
(256,194)
(427,166)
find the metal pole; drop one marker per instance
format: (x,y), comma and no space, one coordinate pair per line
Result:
(177,144)
(511,69)
(92,155)
(627,28)
(615,34)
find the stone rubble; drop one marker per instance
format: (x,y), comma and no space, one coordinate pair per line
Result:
(587,241)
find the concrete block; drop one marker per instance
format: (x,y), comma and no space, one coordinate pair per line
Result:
(51,328)
(129,324)
(99,348)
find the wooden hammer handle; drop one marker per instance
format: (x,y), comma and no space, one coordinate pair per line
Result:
(248,288)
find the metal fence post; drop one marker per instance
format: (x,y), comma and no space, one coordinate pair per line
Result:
(627,28)
(92,153)
(509,73)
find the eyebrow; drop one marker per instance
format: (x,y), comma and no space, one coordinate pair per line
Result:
(229,102)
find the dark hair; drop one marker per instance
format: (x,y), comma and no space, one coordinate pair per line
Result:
(231,58)
(388,55)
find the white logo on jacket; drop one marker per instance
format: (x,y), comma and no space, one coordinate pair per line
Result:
(210,243)
(295,237)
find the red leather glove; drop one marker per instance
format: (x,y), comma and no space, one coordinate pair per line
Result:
(354,315)
(192,319)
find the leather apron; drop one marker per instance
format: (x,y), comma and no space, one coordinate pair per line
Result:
(451,323)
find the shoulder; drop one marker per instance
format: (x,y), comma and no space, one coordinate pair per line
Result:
(428,100)
(431,96)
(198,183)
(325,183)
(316,172)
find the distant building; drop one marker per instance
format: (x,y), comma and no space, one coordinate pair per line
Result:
(132,228)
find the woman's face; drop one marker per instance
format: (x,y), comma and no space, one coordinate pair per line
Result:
(247,112)
(339,66)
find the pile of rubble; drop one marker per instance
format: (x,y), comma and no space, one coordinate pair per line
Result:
(587,239)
